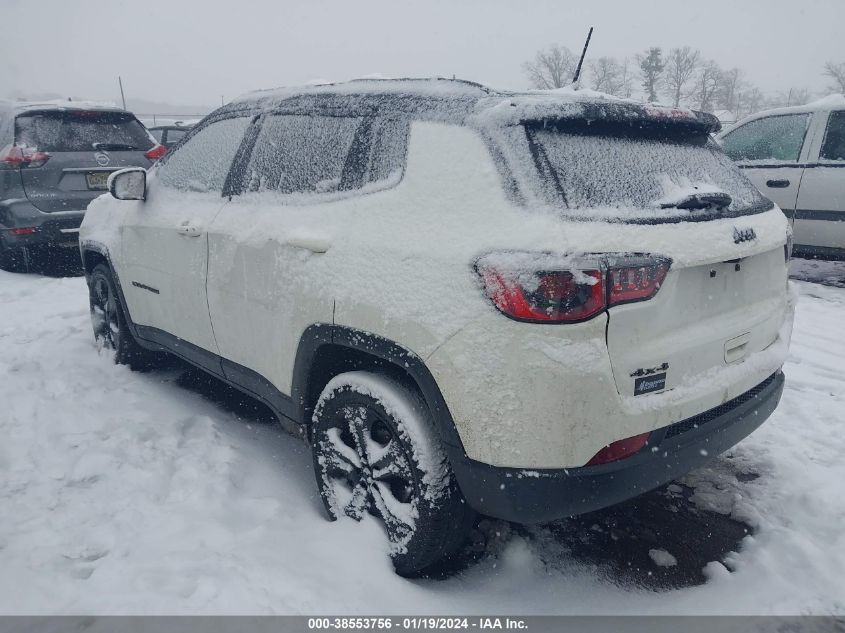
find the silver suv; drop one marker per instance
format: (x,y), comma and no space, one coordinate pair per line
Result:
(796,157)
(54,159)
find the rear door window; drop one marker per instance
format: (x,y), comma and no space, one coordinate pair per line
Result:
(203,161)
(833,147)
(81,131)
(775,138)
(300,154)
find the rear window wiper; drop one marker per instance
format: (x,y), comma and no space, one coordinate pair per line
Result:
(718,201)
(114,147)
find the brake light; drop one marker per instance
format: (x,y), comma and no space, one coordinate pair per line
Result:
(16,157)
(543,288)
(619,450)
(24,230)
(572,293)
(635,279)
(156,152)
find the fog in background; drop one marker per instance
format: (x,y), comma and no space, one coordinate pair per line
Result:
(193,52)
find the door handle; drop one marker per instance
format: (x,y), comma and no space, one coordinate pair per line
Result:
(186,229)
(777,183)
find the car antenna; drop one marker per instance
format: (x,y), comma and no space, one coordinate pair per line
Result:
(123,98)
(581,61)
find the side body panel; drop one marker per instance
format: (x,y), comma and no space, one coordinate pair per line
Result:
(164,260)
(820,210)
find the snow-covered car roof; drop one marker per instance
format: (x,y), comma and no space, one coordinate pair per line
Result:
(24,106)
(465,101)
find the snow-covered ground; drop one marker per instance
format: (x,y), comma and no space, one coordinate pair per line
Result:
(166,492)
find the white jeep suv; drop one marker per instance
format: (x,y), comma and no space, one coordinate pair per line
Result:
(525,305)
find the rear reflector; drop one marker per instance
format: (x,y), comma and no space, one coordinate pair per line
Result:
(156,152)
(24,230)
(619,450)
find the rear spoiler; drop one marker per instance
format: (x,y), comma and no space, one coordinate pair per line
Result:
(542,110)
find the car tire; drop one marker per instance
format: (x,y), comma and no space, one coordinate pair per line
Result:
(376,451)
(15,260)
(108,319)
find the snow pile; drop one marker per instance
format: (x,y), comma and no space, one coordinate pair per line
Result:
(126,493)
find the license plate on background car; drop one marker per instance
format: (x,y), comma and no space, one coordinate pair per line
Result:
(98,180)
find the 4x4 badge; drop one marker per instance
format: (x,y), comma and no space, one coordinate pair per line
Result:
(744,235)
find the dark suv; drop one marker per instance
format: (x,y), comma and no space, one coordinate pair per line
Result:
(54,159)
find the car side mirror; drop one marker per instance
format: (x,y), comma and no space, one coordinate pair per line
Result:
(129,184)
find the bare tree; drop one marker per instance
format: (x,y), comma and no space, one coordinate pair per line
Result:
(681,64)
(551,68)
(750,100)
(731,84)
(793,96)
(626,79)
(606,75)
(651,71)
(707,86)
(837,73)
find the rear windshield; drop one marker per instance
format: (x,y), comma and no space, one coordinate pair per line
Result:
(611,170)
(81,131)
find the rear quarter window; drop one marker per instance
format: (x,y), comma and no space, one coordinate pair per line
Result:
(833,146)
(81,131)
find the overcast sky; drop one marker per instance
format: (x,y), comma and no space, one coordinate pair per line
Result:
(194,51)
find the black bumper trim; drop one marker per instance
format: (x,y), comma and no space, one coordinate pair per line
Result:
(527,495)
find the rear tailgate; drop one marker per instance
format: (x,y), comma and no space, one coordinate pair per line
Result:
(704,318)
(84,147)
(667,191)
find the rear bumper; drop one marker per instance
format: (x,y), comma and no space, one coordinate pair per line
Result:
(533,496)
(60,229)
(828,253)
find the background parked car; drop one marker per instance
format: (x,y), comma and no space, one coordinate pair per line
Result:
(54,159)
(169,135)
(796,157)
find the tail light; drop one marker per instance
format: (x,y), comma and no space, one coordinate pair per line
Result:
(156,152)
(24,230)
(635,278)
(542,288)
(16,157)
(619,450)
